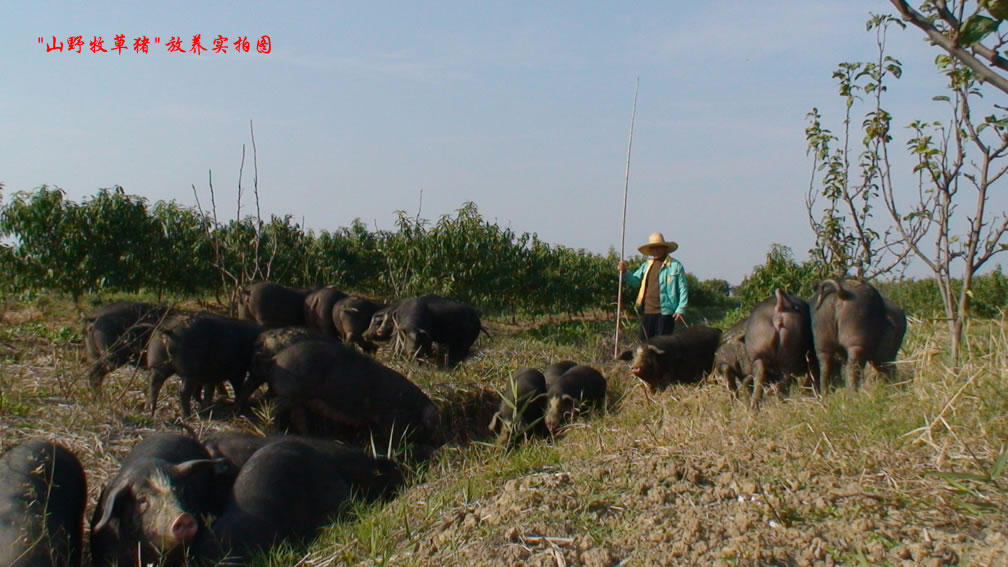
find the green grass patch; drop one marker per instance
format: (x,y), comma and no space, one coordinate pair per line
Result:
(13,407)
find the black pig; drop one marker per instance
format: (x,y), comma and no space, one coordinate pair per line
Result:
(778,341)
(154,507)
(273,305)
(578,388)
(523,404)
(555,370)
(731,361)
(204,351)
(290,488)
(42,497)
(318,310)
(343,387)
(351,318)
(683,357)
(117,334)
(856,324)
(267,345)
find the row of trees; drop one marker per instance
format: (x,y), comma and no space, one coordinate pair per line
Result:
(116,242)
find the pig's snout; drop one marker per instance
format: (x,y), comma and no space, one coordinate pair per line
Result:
(184,527)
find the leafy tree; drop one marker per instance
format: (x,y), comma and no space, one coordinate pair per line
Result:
(352,256)
(780,270)
(181,260)
(119,235)
(114,241)
(287,248)
(103,243)
(710,293)
(990,294)
(50,246)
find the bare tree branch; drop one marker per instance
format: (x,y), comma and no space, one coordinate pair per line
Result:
(955,22)
(241,168)
(982,71)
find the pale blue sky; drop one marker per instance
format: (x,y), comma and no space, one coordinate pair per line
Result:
(521,107)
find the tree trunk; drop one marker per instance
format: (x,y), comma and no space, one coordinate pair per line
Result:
(964,304)
(952,313)
(955,327)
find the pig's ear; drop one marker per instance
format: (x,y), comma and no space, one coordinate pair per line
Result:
(112,505)
(625,355)
(655,349)
(218,466)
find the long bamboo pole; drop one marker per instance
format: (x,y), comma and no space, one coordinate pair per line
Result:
(622,251)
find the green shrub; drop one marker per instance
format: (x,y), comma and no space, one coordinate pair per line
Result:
(920,297)
(780,271)
(713,293)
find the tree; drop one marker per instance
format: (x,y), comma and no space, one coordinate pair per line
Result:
(952,156)
(780,270)
(965,33)
(180,262)
(50,247)
(847,242)
(121,237)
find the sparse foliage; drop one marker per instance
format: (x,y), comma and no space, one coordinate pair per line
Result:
(962,152)
(848,242)
(968,31)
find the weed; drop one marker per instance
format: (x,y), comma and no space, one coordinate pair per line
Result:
(12,407)
(972,488)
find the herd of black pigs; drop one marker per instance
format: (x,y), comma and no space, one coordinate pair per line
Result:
(176,499)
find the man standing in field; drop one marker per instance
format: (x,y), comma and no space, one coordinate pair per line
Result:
(664,292)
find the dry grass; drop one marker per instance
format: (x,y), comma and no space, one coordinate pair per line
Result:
(693,477)
(689,476)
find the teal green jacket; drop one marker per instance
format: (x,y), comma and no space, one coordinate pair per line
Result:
(673,292)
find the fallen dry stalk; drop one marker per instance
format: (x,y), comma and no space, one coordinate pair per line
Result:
(550,540)
(926,430)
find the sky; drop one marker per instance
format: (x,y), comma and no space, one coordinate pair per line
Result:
(520,107)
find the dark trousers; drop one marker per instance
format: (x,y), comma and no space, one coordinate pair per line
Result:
(655,324)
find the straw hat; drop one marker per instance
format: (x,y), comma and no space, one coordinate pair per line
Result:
(657,240)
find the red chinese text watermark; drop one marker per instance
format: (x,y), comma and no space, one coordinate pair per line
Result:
(143,44)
